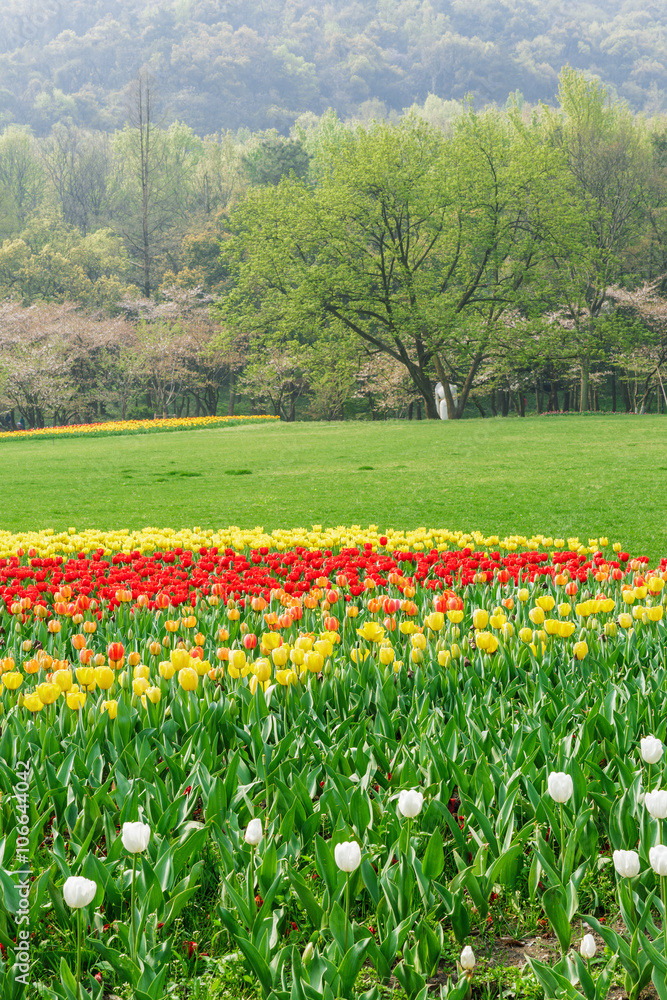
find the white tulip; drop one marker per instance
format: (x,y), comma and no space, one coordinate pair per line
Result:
(135,837)
(651,749)
(587,948)
(410,803)
(468,960)
(253,833)
(560,786)
(348,855)
(626,863)
(658,858)
(79,891)
(656,803)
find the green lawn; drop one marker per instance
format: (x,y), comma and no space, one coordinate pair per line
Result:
(584,476)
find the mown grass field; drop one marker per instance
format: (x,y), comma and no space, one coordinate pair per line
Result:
(564,476)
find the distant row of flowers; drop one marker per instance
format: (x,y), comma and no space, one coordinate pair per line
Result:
(47,542)
(134,426)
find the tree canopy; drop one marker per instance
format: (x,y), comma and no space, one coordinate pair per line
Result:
(262,65)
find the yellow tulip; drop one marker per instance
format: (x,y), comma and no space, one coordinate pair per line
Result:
(655,614)
(416,656)
(655,584)
(386,655)
(418,641)
(280,656)
(48,693)
(12,680)
(286,677)
(552,626)
(324,647)
(141,670)
(111,707)
(76,699)
(566,629)
(33,702)
(536,616)
(167,669)
(153,694)
(456,651)
(63,678)
(262,669)
(408,628)
(480,618)
(304,642)
(140,685)
(104,677)
(486,641)
(435,621)
(314,662)
(625,620)
(523,595)
(237,659)
(580,650)
(497,620)
(188,679)
(508,630)
(455,616)
(526,634)
(444,658)
(180,658)
(610,629)
(297,656)
(270,641)
(359,655)
(372,632)
(564,609)
(546,602)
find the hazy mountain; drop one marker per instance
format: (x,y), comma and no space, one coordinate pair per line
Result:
(261,63)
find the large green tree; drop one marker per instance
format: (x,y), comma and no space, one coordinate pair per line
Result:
(417,243)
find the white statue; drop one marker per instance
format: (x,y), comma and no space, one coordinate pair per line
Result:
(441,401)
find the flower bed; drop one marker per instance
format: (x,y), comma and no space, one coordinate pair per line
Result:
(356,753)
(107,427)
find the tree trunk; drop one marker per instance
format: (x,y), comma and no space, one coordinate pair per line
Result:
(232,396)
(505,402)
(566,400)
(410,409)
(479,407)
(583,400)
(613,391)
(492,402)
(626,395)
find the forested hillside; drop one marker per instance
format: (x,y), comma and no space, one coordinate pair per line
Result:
(261,64)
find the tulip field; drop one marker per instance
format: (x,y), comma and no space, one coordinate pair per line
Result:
(331,763)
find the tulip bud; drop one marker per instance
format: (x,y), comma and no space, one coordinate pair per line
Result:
(658,858)
(656,803)
(253,833)
(587,948)
(626,863)
(135,837)
(410,803)
(78,891)
(308,953)
(560,786)
(468,960)
(651,749)
(348,855)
